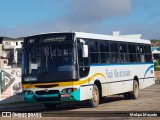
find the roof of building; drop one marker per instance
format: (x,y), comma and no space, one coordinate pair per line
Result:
(154,48)
(11,39)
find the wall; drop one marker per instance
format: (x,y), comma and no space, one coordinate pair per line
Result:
(157,75)
(10,85)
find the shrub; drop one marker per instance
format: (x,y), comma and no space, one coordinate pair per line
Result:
(155,65)
(158,68)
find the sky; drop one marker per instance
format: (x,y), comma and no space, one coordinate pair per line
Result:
(20,18)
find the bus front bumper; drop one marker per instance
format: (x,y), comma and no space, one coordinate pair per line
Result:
(53,98)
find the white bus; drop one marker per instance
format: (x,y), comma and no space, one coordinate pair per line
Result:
(76,66)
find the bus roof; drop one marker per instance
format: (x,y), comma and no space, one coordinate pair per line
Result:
(109,37)
(101,37)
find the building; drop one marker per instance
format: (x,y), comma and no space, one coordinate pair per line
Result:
(10,52)
(136,36)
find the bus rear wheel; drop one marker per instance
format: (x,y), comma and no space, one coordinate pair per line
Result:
(95,99)
(135,93)
(50,105)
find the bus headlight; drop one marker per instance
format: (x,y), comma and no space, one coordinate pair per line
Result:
(69,90)
(28,92)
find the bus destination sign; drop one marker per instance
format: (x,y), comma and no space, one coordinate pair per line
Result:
(48,38)
(55,39)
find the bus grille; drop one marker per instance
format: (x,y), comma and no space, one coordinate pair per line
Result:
(43,92)
(47,99)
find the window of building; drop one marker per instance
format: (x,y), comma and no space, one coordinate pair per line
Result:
(7,43)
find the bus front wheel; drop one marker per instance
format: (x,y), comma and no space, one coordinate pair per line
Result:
(95,97)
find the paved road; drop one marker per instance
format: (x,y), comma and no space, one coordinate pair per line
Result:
(149,101)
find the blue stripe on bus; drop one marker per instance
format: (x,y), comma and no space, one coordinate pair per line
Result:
(104,64)
(152,66)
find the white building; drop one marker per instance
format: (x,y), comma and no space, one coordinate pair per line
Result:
(136,36)
(10,52)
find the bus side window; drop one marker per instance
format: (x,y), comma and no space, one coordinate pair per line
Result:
(94,52)
(104,51)
(132,52)
(148,54)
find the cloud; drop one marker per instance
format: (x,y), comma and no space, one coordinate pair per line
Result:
(88,11)
(80,15)
(87,16)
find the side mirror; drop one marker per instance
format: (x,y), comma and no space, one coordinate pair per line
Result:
(85,51)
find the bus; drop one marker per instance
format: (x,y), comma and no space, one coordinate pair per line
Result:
(77,66)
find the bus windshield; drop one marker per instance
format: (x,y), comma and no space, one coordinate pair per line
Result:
(48,58)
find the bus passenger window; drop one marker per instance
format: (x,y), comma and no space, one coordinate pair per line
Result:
(113,58)
(94,58)
(142,58)
(103,58)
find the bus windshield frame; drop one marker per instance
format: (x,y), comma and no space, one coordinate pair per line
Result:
(49,62)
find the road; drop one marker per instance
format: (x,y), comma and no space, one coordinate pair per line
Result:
(149,101)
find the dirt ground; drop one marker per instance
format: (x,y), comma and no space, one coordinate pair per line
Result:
(116,107)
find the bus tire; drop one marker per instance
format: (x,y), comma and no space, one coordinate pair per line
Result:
(95,99)
(50,105)
(135,93)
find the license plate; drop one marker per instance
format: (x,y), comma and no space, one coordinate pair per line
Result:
(65,95)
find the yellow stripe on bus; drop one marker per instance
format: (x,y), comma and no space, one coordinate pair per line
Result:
(62,84)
